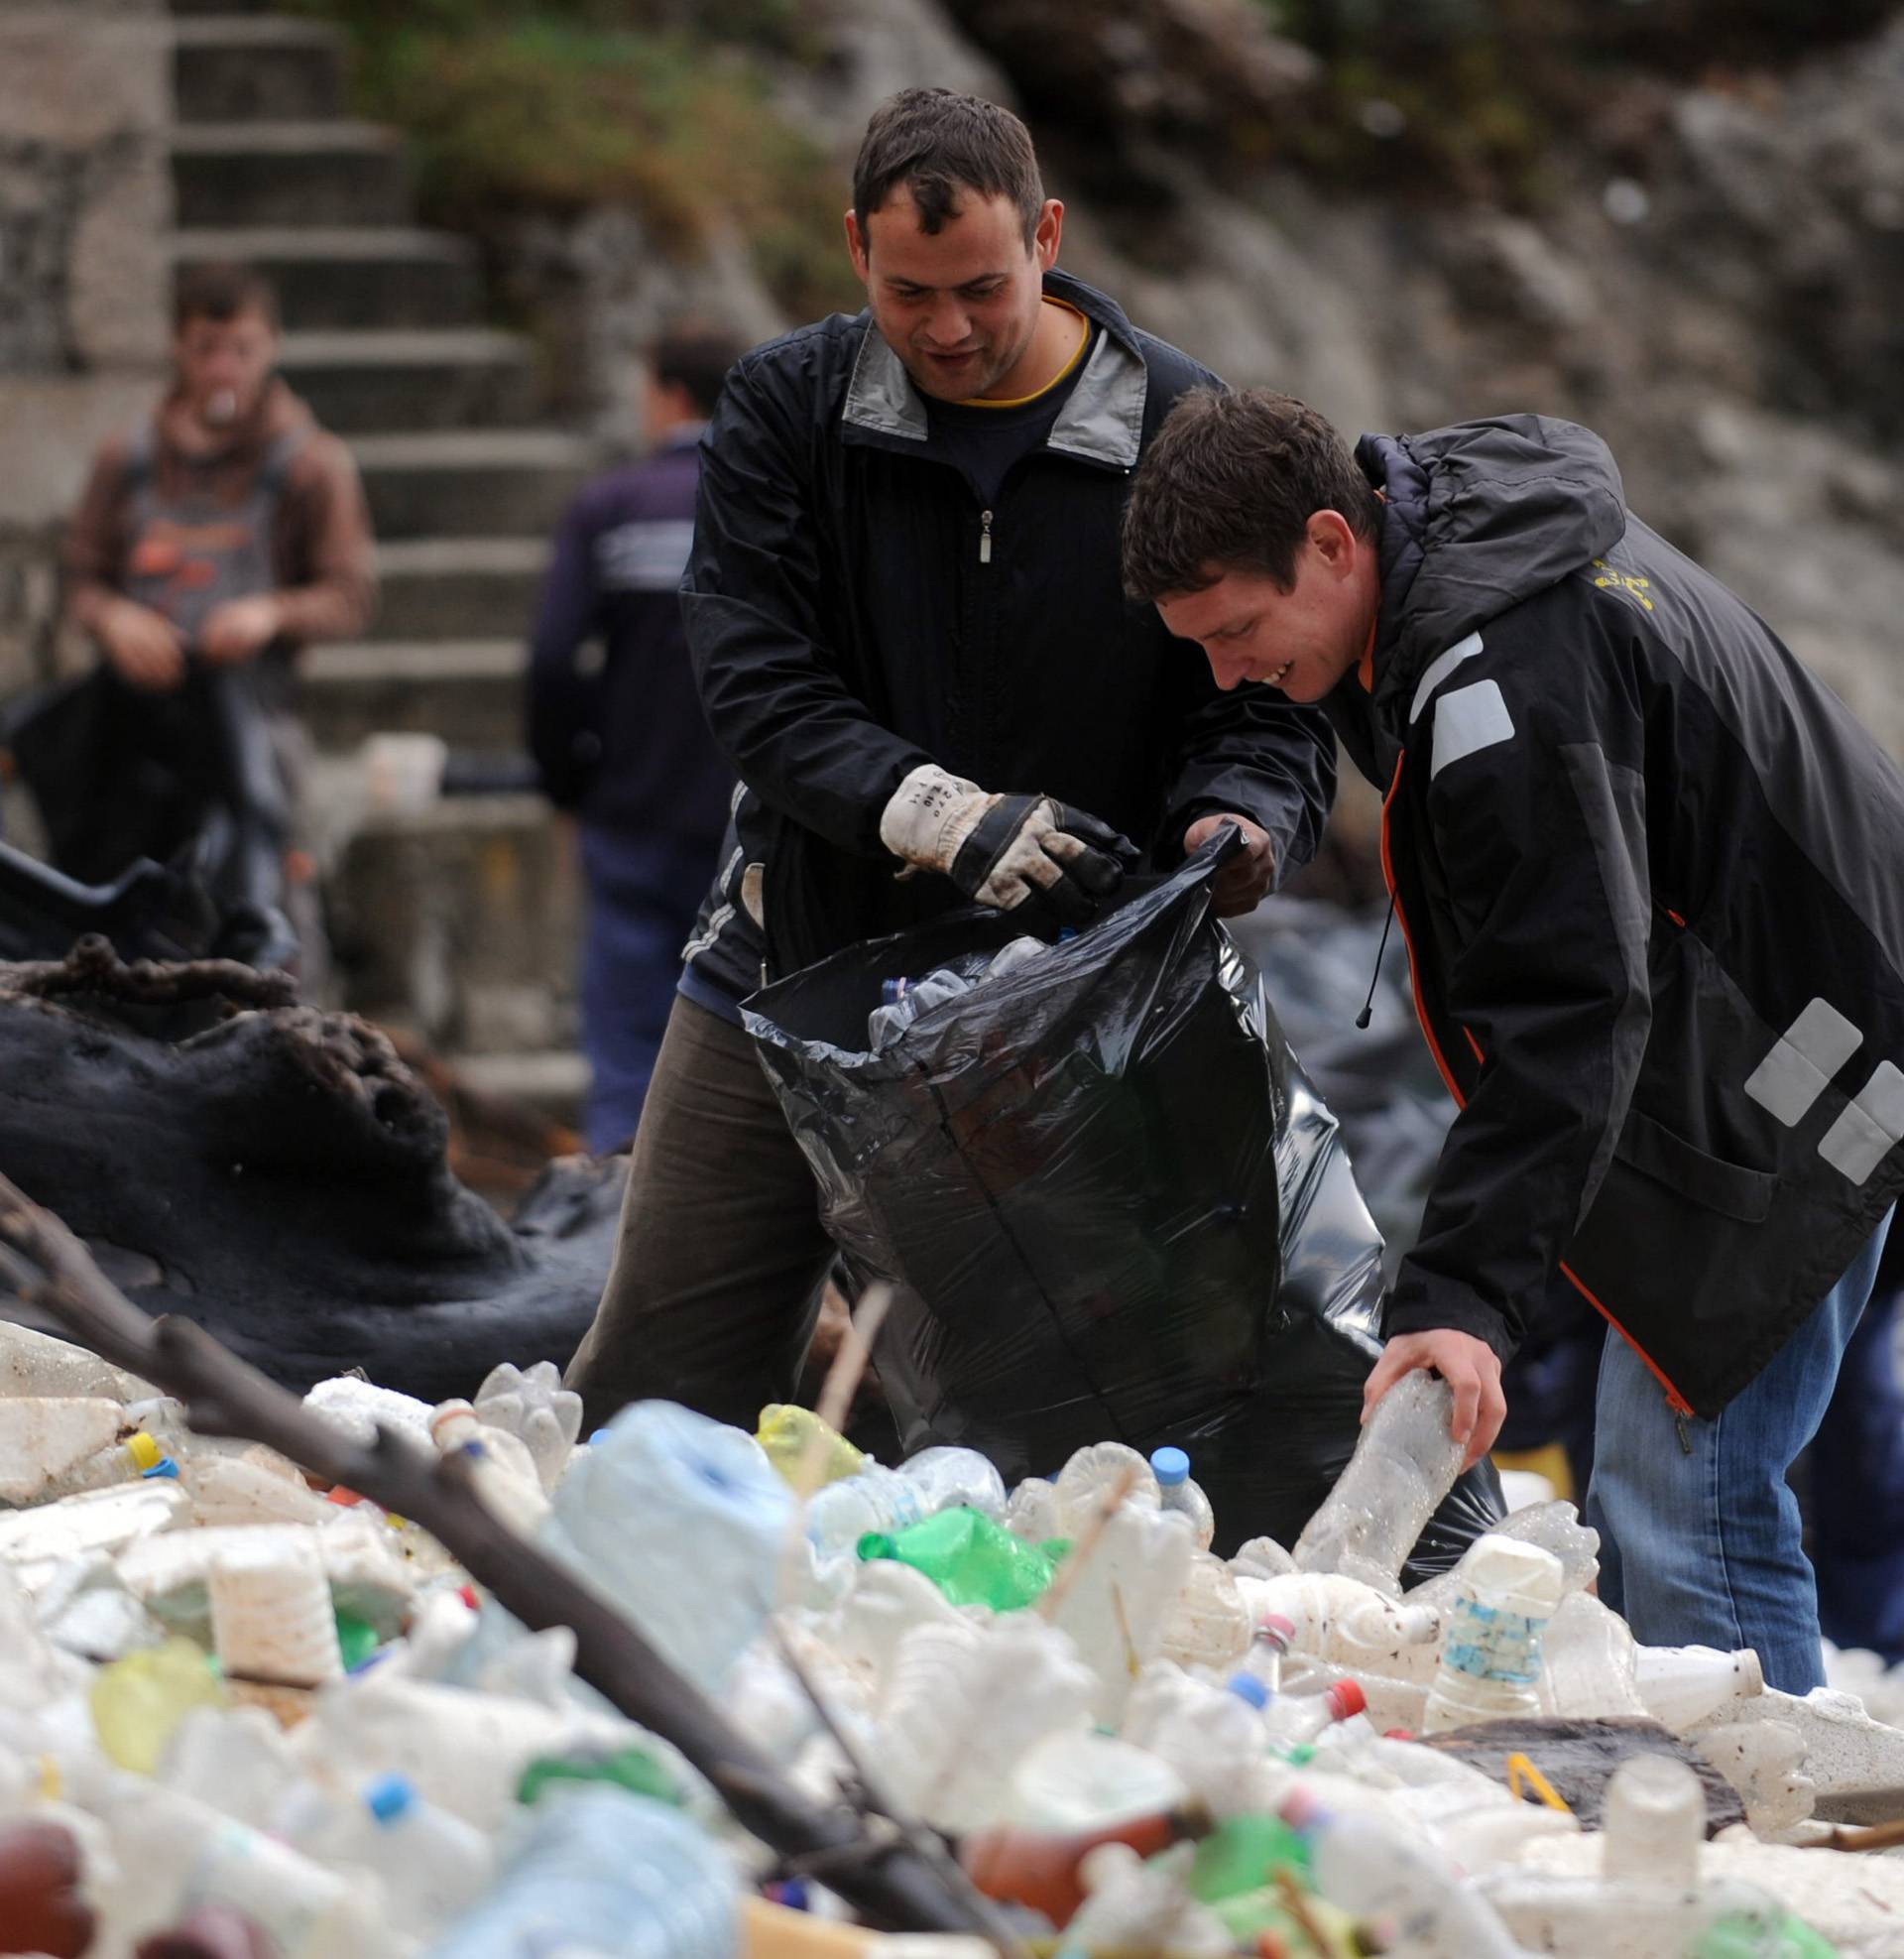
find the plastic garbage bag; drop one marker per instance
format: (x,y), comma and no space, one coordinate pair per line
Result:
(1111,1200)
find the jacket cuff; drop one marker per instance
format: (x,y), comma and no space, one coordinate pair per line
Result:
(1419,1310)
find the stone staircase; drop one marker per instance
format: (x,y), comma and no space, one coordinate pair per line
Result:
(461,922)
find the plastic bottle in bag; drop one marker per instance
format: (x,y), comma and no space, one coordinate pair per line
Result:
(613,1874)
(956,1479)
(1175,1491)
(1491,1660)
(432,1865)
(904,999)
(1405,1461)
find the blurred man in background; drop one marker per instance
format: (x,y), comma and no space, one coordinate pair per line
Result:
(213,541)
(616,728)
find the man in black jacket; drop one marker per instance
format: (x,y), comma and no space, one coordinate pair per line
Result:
(906,614)
(1647,868)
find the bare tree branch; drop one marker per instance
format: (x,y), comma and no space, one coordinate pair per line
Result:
(888,1882)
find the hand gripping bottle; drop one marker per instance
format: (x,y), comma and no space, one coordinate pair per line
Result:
(1405,1461)
(1491,1660)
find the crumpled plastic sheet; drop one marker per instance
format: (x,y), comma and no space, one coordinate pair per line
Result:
(1112,1203)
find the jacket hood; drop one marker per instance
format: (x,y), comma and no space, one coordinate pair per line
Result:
(1479,517)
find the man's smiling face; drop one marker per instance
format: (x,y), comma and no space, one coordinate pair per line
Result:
(1300,639)
(959,306)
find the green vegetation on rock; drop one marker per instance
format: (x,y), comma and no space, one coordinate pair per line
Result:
(557,106)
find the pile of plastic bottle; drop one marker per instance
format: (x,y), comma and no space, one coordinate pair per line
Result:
(228,1696)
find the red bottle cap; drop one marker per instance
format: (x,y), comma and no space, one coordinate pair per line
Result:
(1347,1699)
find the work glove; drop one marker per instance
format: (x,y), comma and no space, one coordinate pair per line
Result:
(1005,850)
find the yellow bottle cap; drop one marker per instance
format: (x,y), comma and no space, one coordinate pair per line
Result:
(143,1450)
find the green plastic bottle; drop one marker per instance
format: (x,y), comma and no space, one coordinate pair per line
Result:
(139,1701)
(1761,1935)
(971,1559)
(632,1768)
(1242,1854)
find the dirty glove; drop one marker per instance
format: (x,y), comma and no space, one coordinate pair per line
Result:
(1005,850)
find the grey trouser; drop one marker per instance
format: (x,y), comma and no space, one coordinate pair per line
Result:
(714,1290)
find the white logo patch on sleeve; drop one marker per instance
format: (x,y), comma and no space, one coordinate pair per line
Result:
(1468,720)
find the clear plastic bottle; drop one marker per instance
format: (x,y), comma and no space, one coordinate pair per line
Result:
(681,1523)
(1268,1643)
(531,1404)
(432,1865)
(1653,1822)
(1032,1510)
(613,1874)
(878,1499)
(1291,1720)
(907,999)
(505,1473)
(1491,1660)
(1405,1461)
(1587,1654)
(1086,1481)
(172,1852)
(1209,1625)
(1369,1867)
(1681,1686)
(963,1705)
(956,1479)
(1175,1491)
(1555,1526)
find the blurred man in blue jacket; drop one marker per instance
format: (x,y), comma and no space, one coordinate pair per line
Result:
(616,728)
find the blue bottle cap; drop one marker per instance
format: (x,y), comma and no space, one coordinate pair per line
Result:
(1245,1686)
(389,1796)
(1170,1467)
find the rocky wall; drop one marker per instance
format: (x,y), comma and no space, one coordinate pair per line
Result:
(85,208)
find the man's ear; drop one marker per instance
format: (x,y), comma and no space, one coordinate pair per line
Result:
(1050,228)
(856,246)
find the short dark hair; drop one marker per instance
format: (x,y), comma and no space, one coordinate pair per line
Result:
(939,143)
(1230,483)
(222,292)
(696,358)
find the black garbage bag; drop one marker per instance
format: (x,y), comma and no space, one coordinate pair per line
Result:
(1112,1203)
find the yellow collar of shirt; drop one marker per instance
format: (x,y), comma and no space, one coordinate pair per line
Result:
(1063,374)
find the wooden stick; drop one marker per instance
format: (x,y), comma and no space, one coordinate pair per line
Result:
(1879,1836)
(888,1881)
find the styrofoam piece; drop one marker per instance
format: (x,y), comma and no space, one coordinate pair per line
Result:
(235,1489)
(41,1436)
(33,1363)
(1854,1902)
(887,1600)
(97,1520)
(354,1408)
(102,1623)
(1847,1753)
(1764,1760)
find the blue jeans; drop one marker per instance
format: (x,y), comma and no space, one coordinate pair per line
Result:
(1700,1537)
(643,895)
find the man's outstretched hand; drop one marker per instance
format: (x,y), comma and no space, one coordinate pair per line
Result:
(1247,878)
(1469,1367)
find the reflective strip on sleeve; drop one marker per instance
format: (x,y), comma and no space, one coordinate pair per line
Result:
(1803,1061)
(1438,670)
(1869,1124)
(649,555)
(1467,719)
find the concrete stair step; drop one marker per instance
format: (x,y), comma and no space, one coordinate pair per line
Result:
(343,277)
(459,588)
(413,379)
(251,67)
(288,172)
(470,482)
(469,692)
(461,920)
